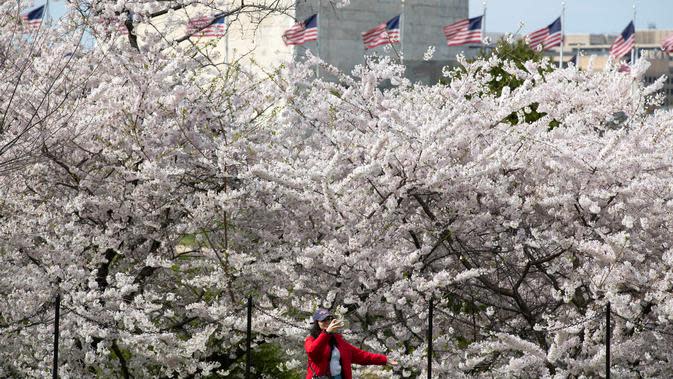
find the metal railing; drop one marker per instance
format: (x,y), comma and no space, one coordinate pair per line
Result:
(430,320)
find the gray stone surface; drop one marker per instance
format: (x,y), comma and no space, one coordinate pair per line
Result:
(340,42)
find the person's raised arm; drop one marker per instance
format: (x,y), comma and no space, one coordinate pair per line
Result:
(362,357)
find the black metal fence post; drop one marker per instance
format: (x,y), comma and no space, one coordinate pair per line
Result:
(430,309)
(57,312)
(248,361)
(607,341)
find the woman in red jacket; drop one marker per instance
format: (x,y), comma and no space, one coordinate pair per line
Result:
(329,355)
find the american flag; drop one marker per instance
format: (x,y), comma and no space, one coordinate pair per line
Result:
(463,32)
(206,27)
(624,43)
(549,36)
(667,45)
(383,34)
(303,31)
(33,19)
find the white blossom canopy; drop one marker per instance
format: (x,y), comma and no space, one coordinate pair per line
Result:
(155,191)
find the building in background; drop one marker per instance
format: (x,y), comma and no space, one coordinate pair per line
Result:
(661,64)
(339,42)
(591,51)
(599,44)
(421,25)
(257,39)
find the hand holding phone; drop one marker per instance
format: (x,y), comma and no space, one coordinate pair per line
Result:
(344,323)
(334,325)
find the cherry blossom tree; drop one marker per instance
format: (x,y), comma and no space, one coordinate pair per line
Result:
(521,234)
(156,191)
(145,276)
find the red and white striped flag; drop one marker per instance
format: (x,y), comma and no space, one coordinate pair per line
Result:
(303,31)
(463,32)
(452,29)
(33,19)
(547,37)
(667,45)
(383,34)
(206,27)
(624,43)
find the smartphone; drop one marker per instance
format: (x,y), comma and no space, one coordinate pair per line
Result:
(343,322)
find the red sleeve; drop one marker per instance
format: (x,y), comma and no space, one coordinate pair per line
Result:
(362,357)
(314,345)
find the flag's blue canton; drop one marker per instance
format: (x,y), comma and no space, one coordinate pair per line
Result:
(475,23)
(311,22)
(393,23)
(629,31)
(35,14)
(555,26)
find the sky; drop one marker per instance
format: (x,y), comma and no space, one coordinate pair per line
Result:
(581,16)
(56,7)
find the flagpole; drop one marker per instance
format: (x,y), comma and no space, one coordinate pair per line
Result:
(483,22)
(402,34)
(47,11)
(634,50)
(317,42)
(563,32)
(226,40)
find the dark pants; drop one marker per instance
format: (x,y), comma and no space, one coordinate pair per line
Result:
(337,377)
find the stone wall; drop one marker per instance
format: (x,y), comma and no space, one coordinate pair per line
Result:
(340,42)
